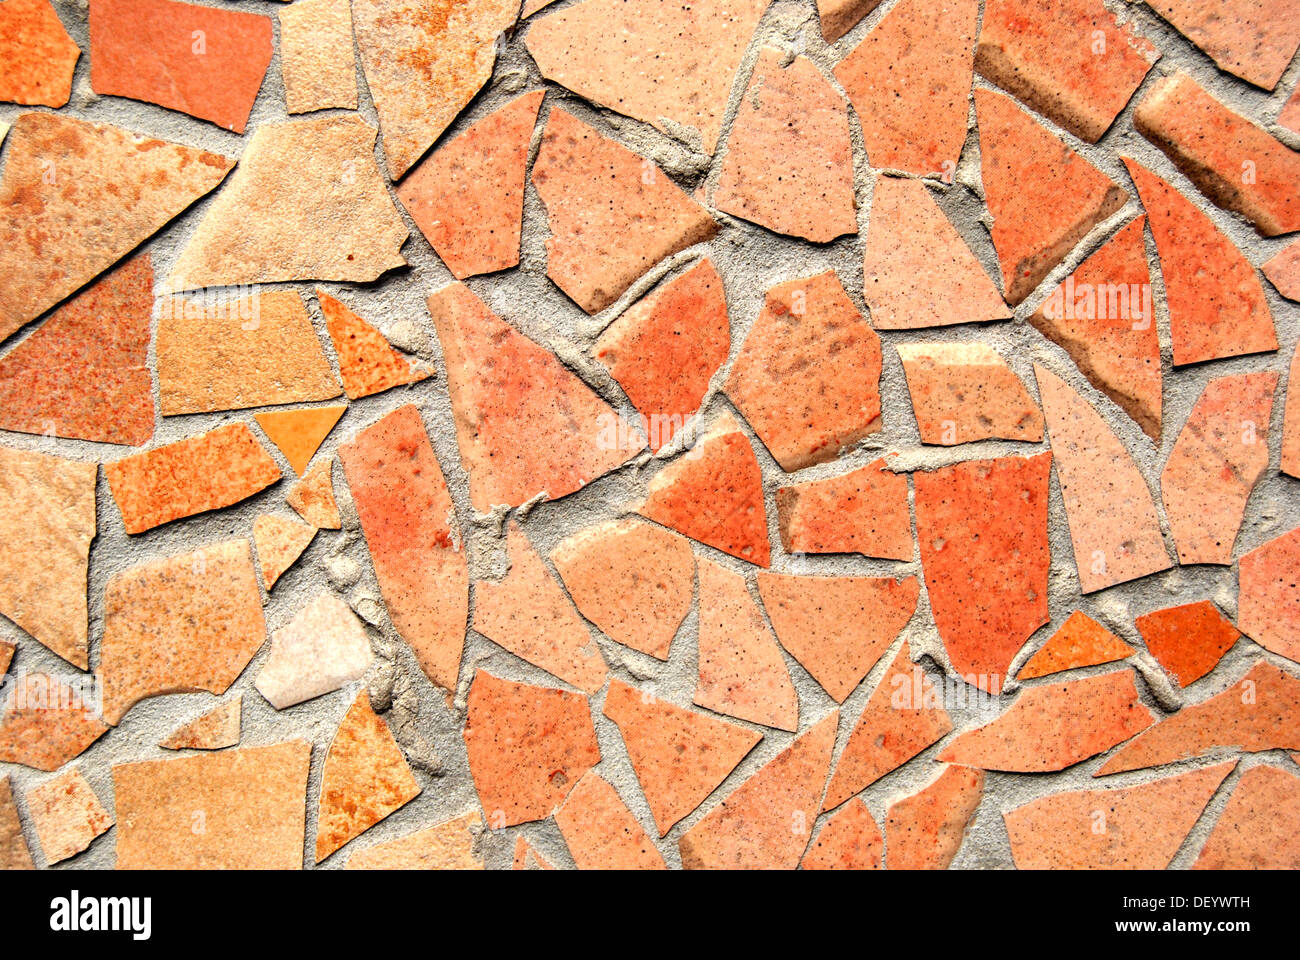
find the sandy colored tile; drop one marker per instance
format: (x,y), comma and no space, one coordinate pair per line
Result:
(680,756)
(323,211)
(200,473)
(837,627)
(1283,268)
(527,747)
(1187,640)
(527,857)
(1268,595)
(612,213)
(1256,830)
(601,832)
(807,377)
(75,228)
(864,511)
(298,434)
(322,649)
(925,831)
(415,544)
(313,497)
(1055,725)
(37,57)
(1079,642)
(1251,39)
(741,670)
(216,729)
(213,590)
(280,541)
(13,847)
(66,815)
(849,840)
(446,846)
(838,17)
(250,805)
(47,722)
(1113,522)
(84,372)
(367,361)
(47,521)
(316,58)
(962,392)
(764,824)
(1220,454)
(467,198)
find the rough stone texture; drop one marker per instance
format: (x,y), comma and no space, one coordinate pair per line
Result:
(1080,642)
(37,57)
(925,831)
(863,511)
(322,649)
(601,832)
(313,497)
(298,434)
(66,815)
(1256,829)
(849,840)
(1268,599)
(13,848)
(368,363)
(214,730)
(963,392)
(316,56)
(46,722)
(1189,640)
(445,846)
(1251,39)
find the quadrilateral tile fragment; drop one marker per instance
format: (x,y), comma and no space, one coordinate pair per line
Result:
(849,840)
(601,832)
(450,845)
(66,815)
(1079,642)
(1251,39)
(925,831)
(367,361)
(280,541)
(299,433)
(864,511)
(37,57)
(322,649)
(47,722)
(1268,595)
(216,729)
(316,57)
(962,392)
(1187,640)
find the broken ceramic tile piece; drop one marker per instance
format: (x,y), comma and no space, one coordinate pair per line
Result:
(322,649)
(66,815)
(1187,640)
(280,541)
(864,511)
(962,392)
(849,840)
(298,434)
(838,17)
(1283,268)
(37,57)
(1256,829)
(216,729)
(601,832)
(47,722)
(925,831)
(6,657)
(1080,642)
(316,58)
(1251,39)
(313,497)
(1268,595)
(445,846)
(13,847)
(367,361)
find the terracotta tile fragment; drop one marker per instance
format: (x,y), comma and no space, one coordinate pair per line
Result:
(1055,725)
(634,580)
(250,802)
(66,815)
(1251,39)
(1113,521)
(680,756)
(925,831)
(323,212)
(909,81)
(410,526)
(47,521)
(1216,302)
(838,17)
(298,434)
(664,349)
(1079,642)
(468,197)
(367,361)
(84,373)
(313,497)
(527,857)
(1268,595)
(982,528)
(13,847)
(1175,115)
(1103,316)
(322,649)
(764,824)
(316,56)
(445,846)
(1044,197)
(667,66)
(1133,828)
(601,832)
(280,541)
(742,672)
(216,729)
(213,591)
(72,230)
(365,778)
(963,392)
(205,472)
(527,747)
(6,656)
(864,511)
(1187,640)
(903,716)
(1283,268)
(525,423)
(1218,458)
(917,270)
(1256,830)
(837,627)
(849,840)
(807,377)
(613,214)
(37,57)
(46,722)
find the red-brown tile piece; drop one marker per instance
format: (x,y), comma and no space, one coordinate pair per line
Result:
(634,580)
(925,831)
(864,511)
(1268,595)
(1103,316)
(1132,828)
(323,648)
(1044,198)
(467,198)
(1290,115)
(789,160)
(667,66)
(450,845)
(1113,522)
(298,434)
(601,832)
(741,670)
(1261,711)
(837,627)
(1240,167)
(280,541)
(1219,456)
(982,527)
(527,747)
(410,526)
(613,214)
(1291,420)
(47,722)
(838,17)
(917,270)
(313,497)
(1256,830)
(47,522)
(1251,39)
(1055,725)
(909,81)
(55,237)
(66,815)
(715,495)
(200,473)
(316,58)
(1079,642)
(849,840)
(367,361)
(664,349)
(962,392)
(1216,302)
(216,729)
(13,847)
(1187,640)
(37,57)
(1068,59)
(807,377)
(1283,268)
(903,716)
(765,823)
(527,857)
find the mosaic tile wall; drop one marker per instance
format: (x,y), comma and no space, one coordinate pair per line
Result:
(620,433)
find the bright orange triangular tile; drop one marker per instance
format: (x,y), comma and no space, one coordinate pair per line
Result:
(367,361)
(299,433)
(1080,642)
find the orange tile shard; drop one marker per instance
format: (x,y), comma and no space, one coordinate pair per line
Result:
(1188,640)
(1256,830)
(37,57)
(450,845)
(313,497)
(316,58)
(47,722)
(962,392)
(280,541)
(1291,423)
(925,831)
(66,815)
(298,434)
(1251,39)
(601,832)
(1079,642)
(13,847)
(216,729)
(849,840)
(527,857)
(838,17)
(864,511)
(367,361)
(1268,595)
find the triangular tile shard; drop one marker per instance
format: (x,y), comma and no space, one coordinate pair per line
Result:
(1187,640)
(963,392)
(216,729)
(298,434)
(1251,39)
(322,649)
(323,212)
(75,172)
(613,214)
(849,840)
(601,832)
(37,57)
(467,198)
(1256,830)
(925,831)
(313,497)
(14,854)
(525,423)
(280,541)
(410,526)
(1268,595)
(316,60)
(368,363)
(1079,642)
(47,722)
(863,511)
